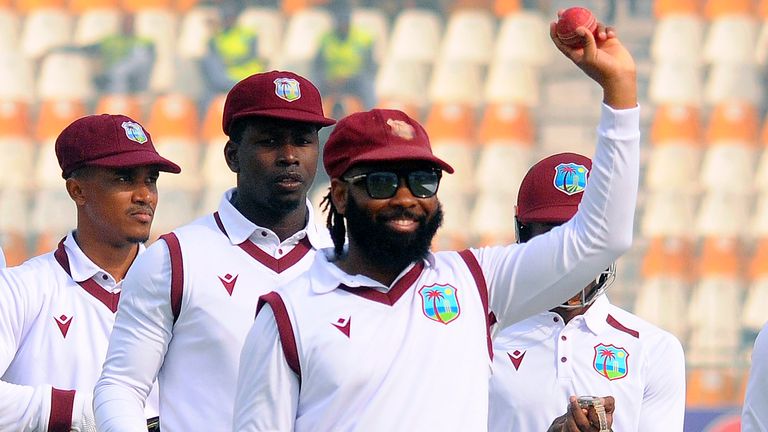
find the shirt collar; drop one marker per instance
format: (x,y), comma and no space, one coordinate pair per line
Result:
(597,315)
(80,266)
(240,229)
(327,276)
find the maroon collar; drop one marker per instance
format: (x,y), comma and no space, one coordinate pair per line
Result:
(90,286)
(393,295)
(277,265)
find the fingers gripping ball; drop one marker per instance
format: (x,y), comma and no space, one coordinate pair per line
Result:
(570,20)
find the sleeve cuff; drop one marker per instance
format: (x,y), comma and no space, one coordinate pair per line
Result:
(619,124)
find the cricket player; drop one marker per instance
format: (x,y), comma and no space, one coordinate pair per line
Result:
(57,309)
(384,335)
(587,346)
(754,415)
(190,300)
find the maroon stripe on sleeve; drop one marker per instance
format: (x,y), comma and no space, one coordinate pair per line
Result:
(482,287)
(284,328)
(62,402)
(177,273)
(619,326)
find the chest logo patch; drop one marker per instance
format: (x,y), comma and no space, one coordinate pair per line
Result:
(63,322)
(440,303)
(611,361)
(229,282)
(516,358)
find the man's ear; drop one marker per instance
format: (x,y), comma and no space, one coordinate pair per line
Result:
(339,191)
(76,190)
(231,156)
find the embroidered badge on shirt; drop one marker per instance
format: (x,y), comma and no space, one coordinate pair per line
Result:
(63,322)
(440,303)
(134,132)
(611,361)
(570,178)
(287,89)
(343,325)
(516,357)
(229,282)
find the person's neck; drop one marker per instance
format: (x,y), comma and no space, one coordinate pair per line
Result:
(283,224)
(354,262)
(113,259)
(567,314)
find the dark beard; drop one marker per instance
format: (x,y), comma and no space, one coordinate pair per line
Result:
(385,248)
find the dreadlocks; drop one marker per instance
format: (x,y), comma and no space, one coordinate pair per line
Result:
(335,224)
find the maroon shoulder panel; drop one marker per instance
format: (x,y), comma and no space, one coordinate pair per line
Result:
(177,273)
(482,287)
(284,328)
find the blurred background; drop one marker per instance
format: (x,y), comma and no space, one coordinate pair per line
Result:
(495,97)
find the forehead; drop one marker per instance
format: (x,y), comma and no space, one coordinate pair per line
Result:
(389,166)
(92,170)
(272,125)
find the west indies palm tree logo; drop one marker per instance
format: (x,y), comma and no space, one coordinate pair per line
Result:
(439,303)
(287,89)
(611,361)
(570,178)
(134,132)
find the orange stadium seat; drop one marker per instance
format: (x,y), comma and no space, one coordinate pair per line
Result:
(712,387)
(14,119)
(664,289)
(128,105)
(173,115)
(211,131)
(665,8)
(451,121)
(82,6)
(26,6)
(141,5)
(503,8)
(729,157)
(675,153)
(733,121)
(506,122)
(714,9)
(215,174)
(290,7)
(673,122)
(55,115)
(184,5)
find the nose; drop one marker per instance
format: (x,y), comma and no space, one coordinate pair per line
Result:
(145,193)
(288,155)
(403,196)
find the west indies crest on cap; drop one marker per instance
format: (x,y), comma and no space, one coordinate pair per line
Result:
(277,94)
(552,189)
(379,135)
(108,141)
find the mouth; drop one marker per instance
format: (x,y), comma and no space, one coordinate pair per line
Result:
(402,223)
(142,216)
(290,181)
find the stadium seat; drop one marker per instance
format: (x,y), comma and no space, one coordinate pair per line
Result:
(268,24)
(54,115)
(14,120)
(44,30)
(66,76)
(82,7)
(16,77)
(139,6)
(195,31)
(128,105)
(375,22)
(459,83)
(469,37)
(758,224)
(14,224)
(30,6)
(49,230)
(730,155)
(174,208)
(9,30)
(731,39)
(160,26)
(403,82)
(504,122)
(673,165)
(509,82)
(733,81)
(723,213)
(716,9)
(712,387)
(761,46)
(676,83)
(415,36)
(672,122)
(17,162)
(503,8)
(302,40)
(454,233)
(451,121)
(668,214)
(212,128)
(95,24)
(678,38)
(666,8)
(662,298)
(175,132)
(566,136)
(715,306)
(524,38)
(492,219)
(506,149)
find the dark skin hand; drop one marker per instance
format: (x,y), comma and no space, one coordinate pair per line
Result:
(579,419)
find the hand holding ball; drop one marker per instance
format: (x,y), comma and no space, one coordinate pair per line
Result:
(570,20)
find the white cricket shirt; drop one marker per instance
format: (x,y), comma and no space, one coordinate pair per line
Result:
(539,363)
(2,258)
(221,265)
(54,330)
(754,415)
(333,351)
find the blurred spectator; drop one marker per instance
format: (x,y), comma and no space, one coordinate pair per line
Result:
(123,61)
(233,51)
(344,64)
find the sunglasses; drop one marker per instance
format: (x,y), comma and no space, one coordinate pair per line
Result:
(384,184)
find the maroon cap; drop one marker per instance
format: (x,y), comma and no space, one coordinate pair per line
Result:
(277,94)
(108,141)
(552,189)
(379,135)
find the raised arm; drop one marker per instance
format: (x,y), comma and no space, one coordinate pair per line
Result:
(137,346)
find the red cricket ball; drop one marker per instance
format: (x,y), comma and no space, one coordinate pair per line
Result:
(570,20)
